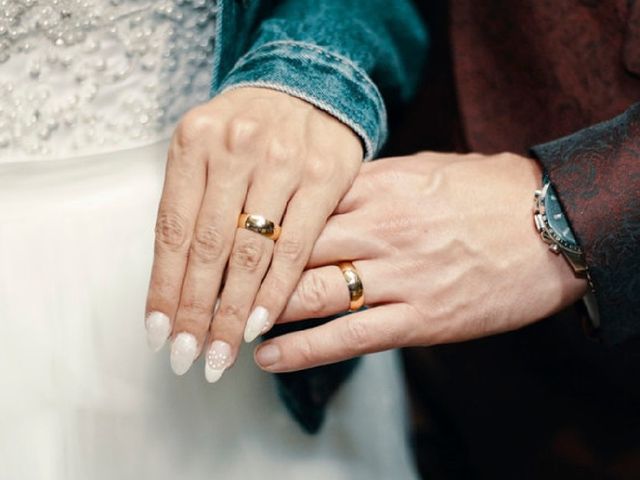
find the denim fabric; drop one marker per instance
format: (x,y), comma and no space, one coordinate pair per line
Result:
(347,57)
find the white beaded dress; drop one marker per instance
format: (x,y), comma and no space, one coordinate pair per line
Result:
(90,91)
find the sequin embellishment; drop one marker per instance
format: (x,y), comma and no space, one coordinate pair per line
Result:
(84,76)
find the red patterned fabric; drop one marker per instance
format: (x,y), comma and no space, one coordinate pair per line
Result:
(533,71)
(597,171)
(530,71)
(542,402)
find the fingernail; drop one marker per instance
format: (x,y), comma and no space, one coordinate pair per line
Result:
(183,352)
(267,355)
(256,324)
(218,360)
(158,328)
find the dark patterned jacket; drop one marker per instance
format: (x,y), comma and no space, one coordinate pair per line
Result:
(538,77)
(533,71)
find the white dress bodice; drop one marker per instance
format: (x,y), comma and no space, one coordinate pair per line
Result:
(79,77)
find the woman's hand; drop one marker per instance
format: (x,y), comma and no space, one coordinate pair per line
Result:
(446,249)
(249,150)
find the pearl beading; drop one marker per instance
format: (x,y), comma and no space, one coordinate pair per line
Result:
(88,76)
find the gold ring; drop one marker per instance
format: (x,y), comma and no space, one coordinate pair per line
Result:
(354,283)
(259,224)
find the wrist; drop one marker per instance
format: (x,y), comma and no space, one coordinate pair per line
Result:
(339,134)
(555,230)
(352,97)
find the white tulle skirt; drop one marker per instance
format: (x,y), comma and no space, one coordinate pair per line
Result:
(82,398)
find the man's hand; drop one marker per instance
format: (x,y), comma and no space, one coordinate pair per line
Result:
(447,251)
(248,150)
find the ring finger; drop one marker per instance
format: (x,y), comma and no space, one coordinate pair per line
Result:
(323,291)
(248,263)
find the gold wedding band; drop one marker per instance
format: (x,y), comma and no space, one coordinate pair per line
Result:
(354,283)
(259,224)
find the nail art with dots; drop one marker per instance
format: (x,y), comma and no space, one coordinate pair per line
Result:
(217,361)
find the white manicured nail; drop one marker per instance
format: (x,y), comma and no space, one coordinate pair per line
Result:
(256,324)
(183,352)
(158,329)
(218,360)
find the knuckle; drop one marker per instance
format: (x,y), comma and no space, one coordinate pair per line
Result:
(318,170)
(397,338)
(193,309)
(281,152)
(208,244)
(313,293)
(275,282)
(290,250)
(248,253)
(357,334)
(229,313)
(305,350)
(241,133)
(195,124)
(171,231)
